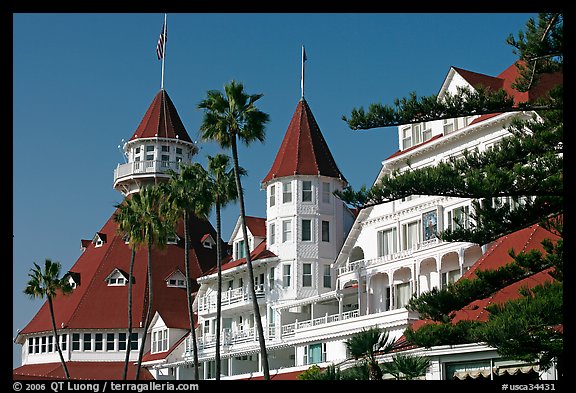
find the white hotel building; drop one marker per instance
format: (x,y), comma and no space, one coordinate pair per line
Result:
(325,272)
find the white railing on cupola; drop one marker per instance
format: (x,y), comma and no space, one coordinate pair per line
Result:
(145,167)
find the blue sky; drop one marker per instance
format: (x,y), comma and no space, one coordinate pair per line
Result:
(82,83)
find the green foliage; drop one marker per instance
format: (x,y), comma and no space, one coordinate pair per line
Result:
(526,328)
(434,334)
(364,344)
(406,367)
(46,283)
(334,373)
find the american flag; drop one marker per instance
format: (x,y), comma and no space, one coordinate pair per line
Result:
(162,42)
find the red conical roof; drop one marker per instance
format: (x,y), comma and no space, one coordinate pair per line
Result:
(161,120)
(303,150)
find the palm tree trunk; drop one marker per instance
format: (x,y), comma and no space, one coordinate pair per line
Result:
(128,346)
(56,338)
(261,338)
(189,295)
(219,293)
(148,311)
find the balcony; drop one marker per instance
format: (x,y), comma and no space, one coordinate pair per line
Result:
(137,168)
(236,297)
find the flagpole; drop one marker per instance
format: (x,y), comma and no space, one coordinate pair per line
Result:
(302,80)
(163,52)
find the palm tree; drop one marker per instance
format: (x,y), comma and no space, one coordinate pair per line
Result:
(406,366)
(46,284)
(227,117)
(128,219)
(186,195)
(155,228)
(365,344)
(223,189)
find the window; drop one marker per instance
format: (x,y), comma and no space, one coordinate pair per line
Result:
(50,343)
(178,150)
(325,192)
(31,345)
(109,341)
(450,277)
(272,233)
(286,231)
(459,218)
(137,150)
(410,235)
(427,133)
(416,135)
(121,341)
(306,274)
(448,125)
(206,327)
(430,225)
(402,294)
(37,344)
(149,153)
(406,137)
(75,341)
(98,341)
(272,196)
(306,191)
(87,341)
(327,276)
(230,284)
(43,345)
(240,251)
(315,353)
(286,276)
(165,149)
(306,230)
(271,278)
(160,341)
(325,231)
(287,193)
(387,242)
(63,342)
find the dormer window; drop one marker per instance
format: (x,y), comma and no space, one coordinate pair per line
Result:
(172,239)
(207,241)
(84,244)
(117,278)
(99,239)
(73,279)
(159,340)
(176,280)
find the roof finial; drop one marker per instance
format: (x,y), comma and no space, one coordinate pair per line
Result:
(303,61)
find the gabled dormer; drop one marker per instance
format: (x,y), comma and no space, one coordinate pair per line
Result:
(256,228)
(176,279)
(99,239)
(84,243)
(116,278)
(73,279)
(207,241)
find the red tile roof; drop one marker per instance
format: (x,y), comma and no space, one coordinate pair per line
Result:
(303,150)
(95,305)
(526,239)
(256,225)
(79,370)
(161,120)
(260,252)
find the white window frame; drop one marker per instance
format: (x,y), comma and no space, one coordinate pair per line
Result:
(309,230)
(287,192)
(286,275)
(272,196)
(307,275)
(272,233)
(307,192)
(326,191)
(286,231)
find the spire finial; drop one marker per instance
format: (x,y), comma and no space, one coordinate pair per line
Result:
(303,61)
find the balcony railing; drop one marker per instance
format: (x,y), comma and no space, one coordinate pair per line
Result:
(231,337)
(355,265)
(232,296)
(143,167)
